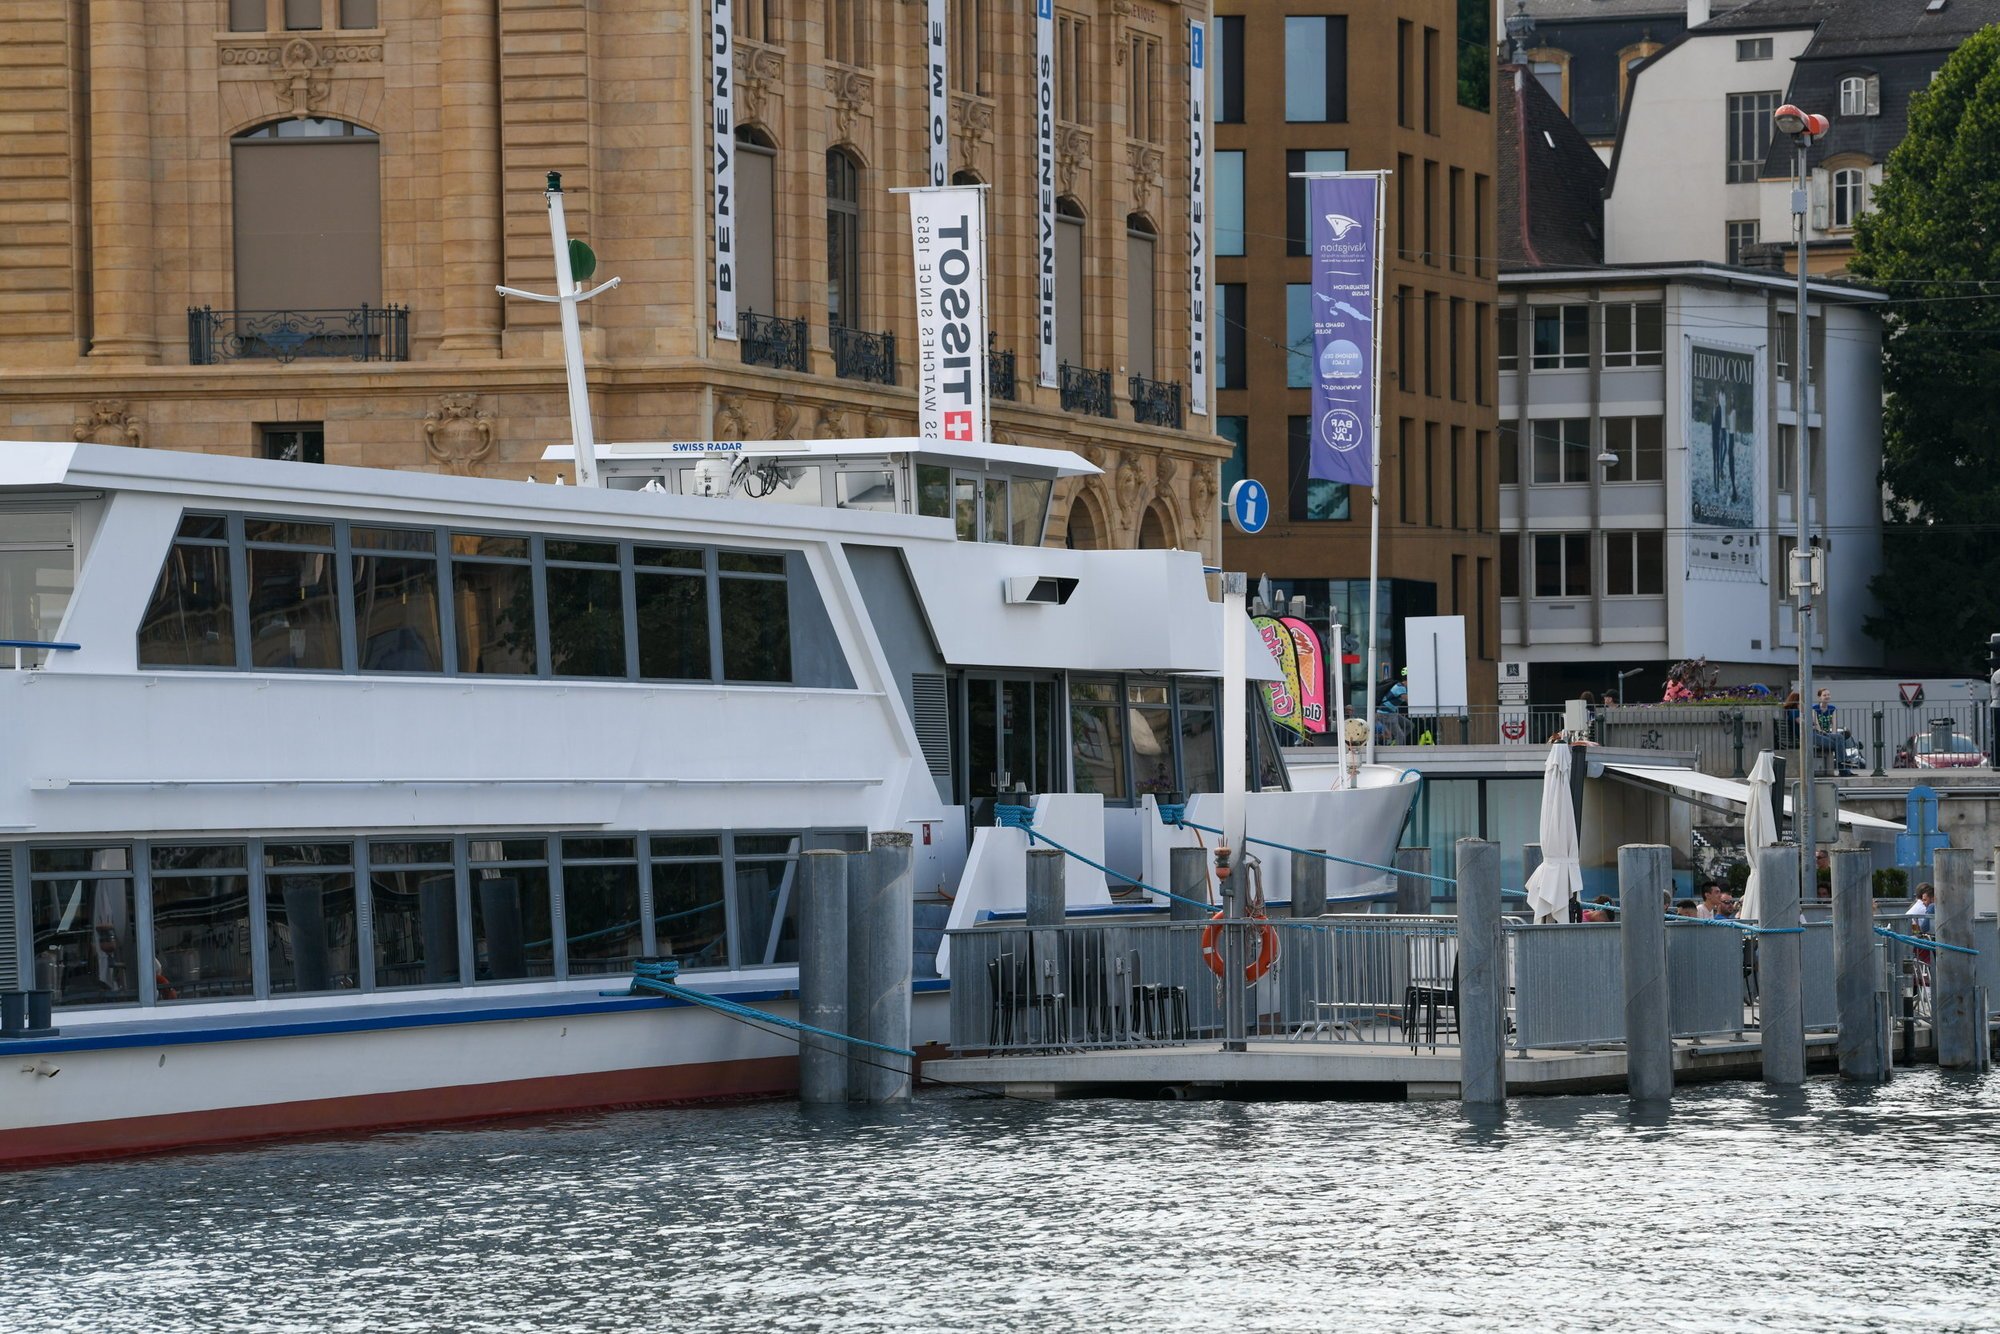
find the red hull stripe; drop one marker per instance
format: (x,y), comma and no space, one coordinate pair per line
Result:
(764,1077)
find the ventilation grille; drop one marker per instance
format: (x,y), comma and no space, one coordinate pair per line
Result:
(932,717)
(10,948)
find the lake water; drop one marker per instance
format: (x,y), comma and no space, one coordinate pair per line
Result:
(1830,1208)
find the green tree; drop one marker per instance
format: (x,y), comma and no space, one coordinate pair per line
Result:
(1933,242)
(1475,54)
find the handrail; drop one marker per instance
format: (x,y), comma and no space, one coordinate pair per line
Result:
(1923,943)
(19,645)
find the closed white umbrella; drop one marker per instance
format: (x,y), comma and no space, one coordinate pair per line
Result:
(1559,878)
(1760,830)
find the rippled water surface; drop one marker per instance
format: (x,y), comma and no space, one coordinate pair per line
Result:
(1828,1209)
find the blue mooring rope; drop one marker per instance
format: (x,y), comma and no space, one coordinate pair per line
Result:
(1328,856)
(656,975)
(1921,943)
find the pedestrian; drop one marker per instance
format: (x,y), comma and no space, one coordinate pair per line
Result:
(1923,910)
(1711,901)
(1601,912)
(1823,873)
(1685,908)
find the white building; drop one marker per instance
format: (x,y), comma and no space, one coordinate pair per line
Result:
(1676,547)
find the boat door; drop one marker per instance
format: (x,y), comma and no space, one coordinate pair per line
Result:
(1009,740)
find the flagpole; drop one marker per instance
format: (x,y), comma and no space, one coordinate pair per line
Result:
(1375,478)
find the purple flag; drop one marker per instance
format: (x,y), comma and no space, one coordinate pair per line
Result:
(1340,212)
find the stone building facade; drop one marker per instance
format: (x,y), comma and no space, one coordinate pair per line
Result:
(150,218)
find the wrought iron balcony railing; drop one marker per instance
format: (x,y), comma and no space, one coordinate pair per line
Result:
(369,333)
(1000,381)
(861,355)
(1156,402)
(1087,391)
(772,340)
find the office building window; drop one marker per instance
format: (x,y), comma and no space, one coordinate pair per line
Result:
(1749,129)
(1228,202)
(1633,333)
(1430,213)
(1406,315)
(1298,227)
(1434,473)
(1482,319)
(1298,336)
(1638,443)
(1455,317)
(1231,363)
(1311,500)
(1753,48)
(1454,201)
(1742,234)
(1481,261)
(1510,565)
(1562,565)
(1455,477)
(1430,343)
(1142,87)
(1402,184)
(1510,454)
(1405,33)
(843,240)
(307,214)
(1635,564)
(1510,338)
(1430,80)
(1072,68)
(1561,450)
(1225,60)
(1562,338)
(1316,69)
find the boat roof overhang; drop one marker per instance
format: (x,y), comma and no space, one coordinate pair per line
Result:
(1705,790)
(963,453)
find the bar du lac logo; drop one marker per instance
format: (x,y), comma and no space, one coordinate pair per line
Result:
(1341,430)
(1340,225)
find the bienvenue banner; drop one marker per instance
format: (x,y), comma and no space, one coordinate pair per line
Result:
(722,91)
(1045,166)
(940,96)
(1197,217)
(948,236)
(1346,270)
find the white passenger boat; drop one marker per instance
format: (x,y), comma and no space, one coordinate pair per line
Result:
(340,798)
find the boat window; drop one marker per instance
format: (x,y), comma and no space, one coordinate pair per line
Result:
(756,618)
(767,906)
(586,610)
(408,854)
(996,527)
(311,929)
(933,491)
(37,573)
(1150,723)
(1097,738)
(871,490)
(489,546)
(201,921)
(294,596)
(1162,734)
(601,905)
(493,600)
(397,615)
(1201,766)
(513,932)
(670,588)
(690,919)
(85,924)
(413,908)
(965,507)
(190,620)
(1030,511)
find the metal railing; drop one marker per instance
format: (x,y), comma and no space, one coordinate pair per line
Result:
(367,333)
(44,647)
(1001,381)
(1086,985)
(1569,983)
(1156,402)
(861,355)
(1087,392)
(771,340)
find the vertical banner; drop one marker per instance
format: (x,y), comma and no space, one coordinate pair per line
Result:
(1723,446)
(940,96)
(1045,167)
(1312,674)
(1281,697)
(948,236)
(1198,218)
(722,88)
(1341,213)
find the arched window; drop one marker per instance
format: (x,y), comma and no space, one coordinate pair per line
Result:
(1550,68)
(1069,281)
(307,216)
(1142,283)
(1155,530)
(1629,61)
(1849,185)
(756,217)
(1081,533)
(843,239)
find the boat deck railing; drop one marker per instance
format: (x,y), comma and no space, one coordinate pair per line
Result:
(21,646)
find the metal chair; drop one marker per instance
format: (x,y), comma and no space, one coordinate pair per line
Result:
(1431,998)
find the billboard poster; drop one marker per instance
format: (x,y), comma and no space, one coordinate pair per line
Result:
(722,227)
(1281,698)
(1198,218)
(1724,446)
(947,236)
(1312,674)
(1341,213)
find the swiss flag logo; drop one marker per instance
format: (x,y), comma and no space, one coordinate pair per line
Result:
(958,425)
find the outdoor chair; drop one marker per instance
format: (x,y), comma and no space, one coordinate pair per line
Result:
(1430,1001)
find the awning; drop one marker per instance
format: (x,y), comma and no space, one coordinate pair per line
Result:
(1674,779)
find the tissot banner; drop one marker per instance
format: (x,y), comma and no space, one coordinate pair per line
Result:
(947,234)
(1045,168)
(722,89)
(1723,446)
(940,96)
(1312,674)
(1341,213)
(1198,218)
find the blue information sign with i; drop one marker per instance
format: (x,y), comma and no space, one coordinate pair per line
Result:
(1249,505)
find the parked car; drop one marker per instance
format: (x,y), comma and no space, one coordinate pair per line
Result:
(1916,753)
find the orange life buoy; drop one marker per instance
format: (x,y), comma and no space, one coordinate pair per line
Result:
(1267,949)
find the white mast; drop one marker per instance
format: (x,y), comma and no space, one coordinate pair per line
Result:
(567,296)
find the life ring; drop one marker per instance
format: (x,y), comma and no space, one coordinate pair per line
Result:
(1267,949)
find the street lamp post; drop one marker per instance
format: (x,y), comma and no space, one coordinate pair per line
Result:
(1805,575)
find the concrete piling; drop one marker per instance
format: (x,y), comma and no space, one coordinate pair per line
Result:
(1955,976)
(1864,1026)
(1644,873)
(1188,879)
(823,975)
(1780,967)
(1482,975)
(1308,885)
(879,942)
(1413,892)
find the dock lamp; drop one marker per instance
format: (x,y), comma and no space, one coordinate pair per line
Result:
(1805,578)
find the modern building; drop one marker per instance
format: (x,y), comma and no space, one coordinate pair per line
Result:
(1328,85)
(1698,173)
(276,226)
